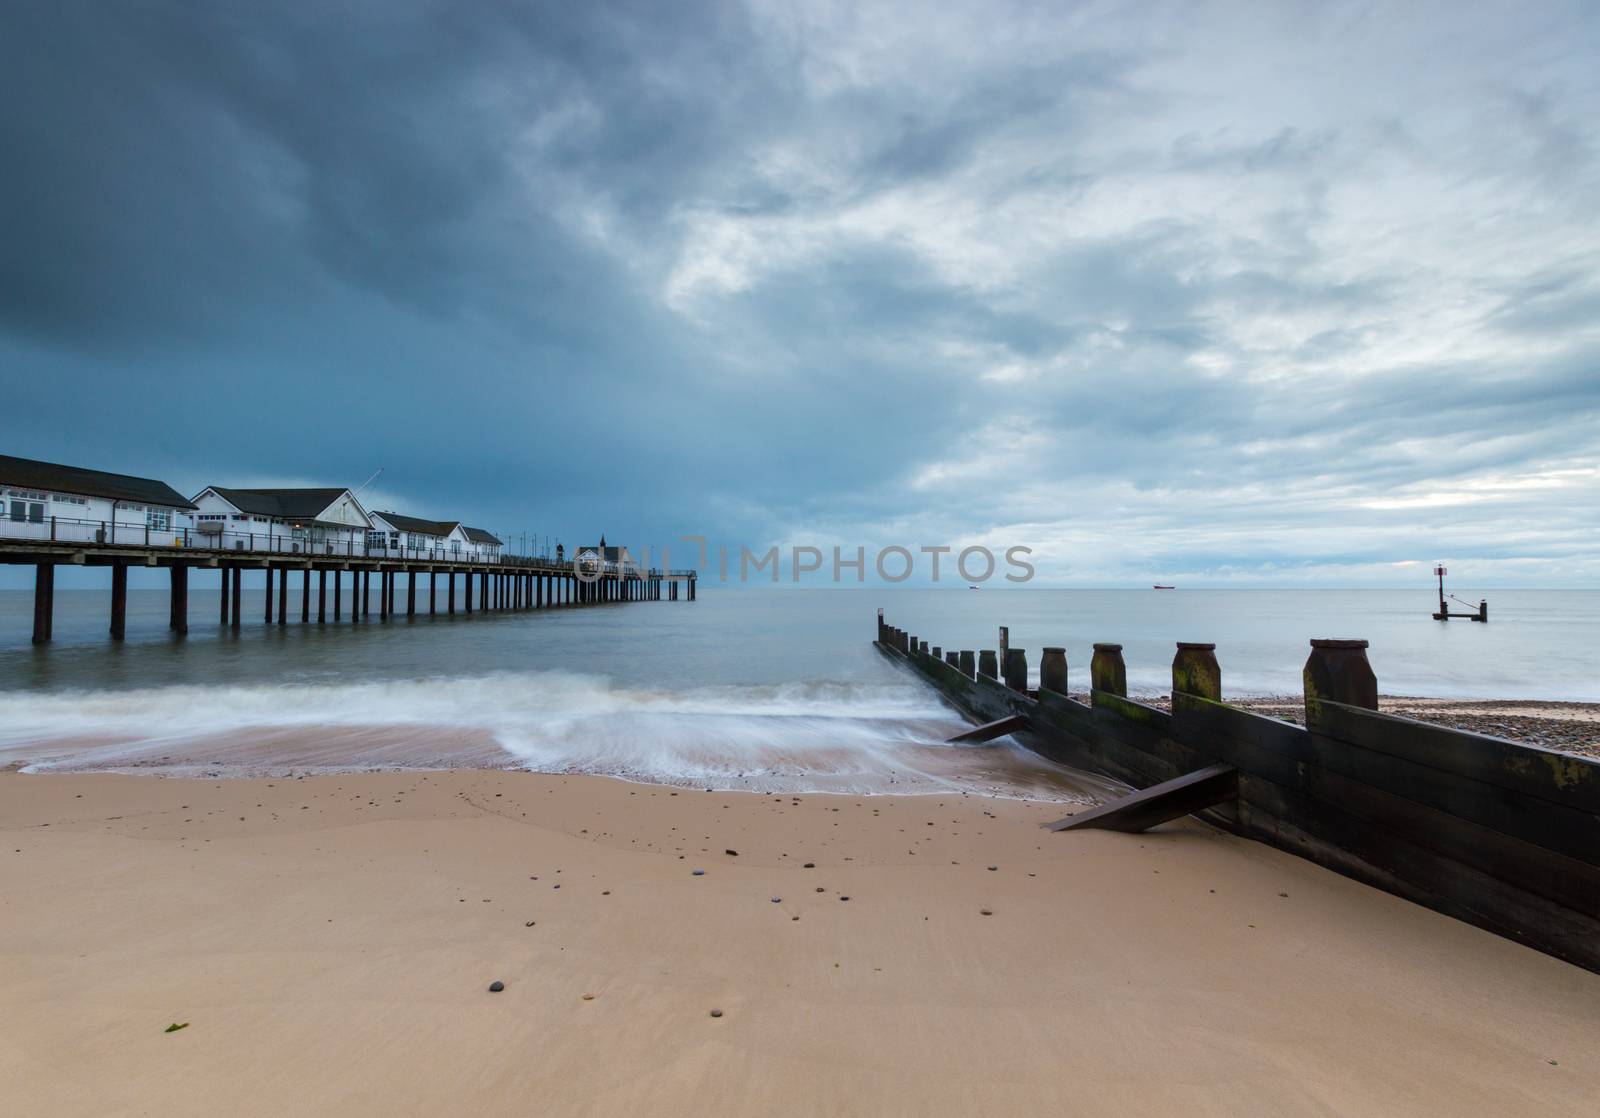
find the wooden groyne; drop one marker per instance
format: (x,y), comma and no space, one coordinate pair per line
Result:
(500,584)
(1499,834)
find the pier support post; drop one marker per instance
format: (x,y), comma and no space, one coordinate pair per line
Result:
(338,594)
(1337,671)
(1195,671)
(411,593)
(119,600)
(179,597)
(450,585)
(267,613)
(238,593)
(1016,669)
(433,592)
(222,606)
(322,595)
(1053,670)
(968,663)
(305,596)
(988,664)
(283,595)
(466,589)
(44,602)
(383,595)
(1107,672)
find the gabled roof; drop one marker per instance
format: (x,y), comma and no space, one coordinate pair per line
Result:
(601,551)
(291,504)
(418,525)
(478,535)
(25,473)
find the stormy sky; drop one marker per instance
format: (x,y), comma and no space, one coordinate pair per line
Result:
(1250,294)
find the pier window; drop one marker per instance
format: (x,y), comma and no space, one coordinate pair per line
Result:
(158,520)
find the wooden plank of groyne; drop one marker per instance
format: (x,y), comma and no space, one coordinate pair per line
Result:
(1291,756)
(1392,861)
(1160,803)
(1562,778)
(999,728)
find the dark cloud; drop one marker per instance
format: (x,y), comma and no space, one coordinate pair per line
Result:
(1271,295)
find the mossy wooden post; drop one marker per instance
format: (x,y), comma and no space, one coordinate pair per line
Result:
(953,658)
(1107,672)
(988,665)
(880,624)
(968,664)
(922,647)
(1338,671)
(1195,671)
(911,644)
(937,653)
(1016,669)
(1053,670)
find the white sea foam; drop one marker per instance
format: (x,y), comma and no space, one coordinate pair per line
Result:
(817,736)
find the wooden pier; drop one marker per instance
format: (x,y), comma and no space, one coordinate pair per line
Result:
(1499,834)
(507,584)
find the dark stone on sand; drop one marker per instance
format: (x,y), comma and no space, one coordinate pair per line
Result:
(496,986)
(733,853)
(844,898)
(716,1013)
(985,912)
(994,867)
(777,900)
(698,873)
(810,865)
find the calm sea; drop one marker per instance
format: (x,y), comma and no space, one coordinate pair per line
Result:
(768,689)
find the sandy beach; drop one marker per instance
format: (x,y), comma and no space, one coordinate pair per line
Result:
(329,943)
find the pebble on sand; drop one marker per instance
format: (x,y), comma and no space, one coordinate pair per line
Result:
(985,912)
(810,865)
(716,1013)
(731,852)
(496,986)
(698,873)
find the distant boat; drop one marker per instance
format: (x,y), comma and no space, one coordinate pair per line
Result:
(1158,586)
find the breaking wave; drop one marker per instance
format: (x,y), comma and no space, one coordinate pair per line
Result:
(816,736)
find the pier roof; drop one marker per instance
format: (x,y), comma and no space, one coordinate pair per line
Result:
(478,535)
(417,524)
(25,473)
(293,504)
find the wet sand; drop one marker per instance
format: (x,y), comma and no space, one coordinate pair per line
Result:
(329,942)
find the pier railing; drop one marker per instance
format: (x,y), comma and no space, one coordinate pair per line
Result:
(1502,835)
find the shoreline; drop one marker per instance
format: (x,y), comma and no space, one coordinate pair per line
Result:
(330,940)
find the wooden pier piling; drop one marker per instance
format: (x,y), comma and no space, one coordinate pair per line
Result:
(119,601)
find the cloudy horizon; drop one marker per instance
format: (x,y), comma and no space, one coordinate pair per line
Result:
(1208,293)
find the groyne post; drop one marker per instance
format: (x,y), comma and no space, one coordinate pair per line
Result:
(953,658)
(1053,670)
(1016,669)
(988,665)
(1107,672)
(1195,671)
(968,663)
(937,653)
(1337,671)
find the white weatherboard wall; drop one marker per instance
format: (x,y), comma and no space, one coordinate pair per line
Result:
(36,514)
